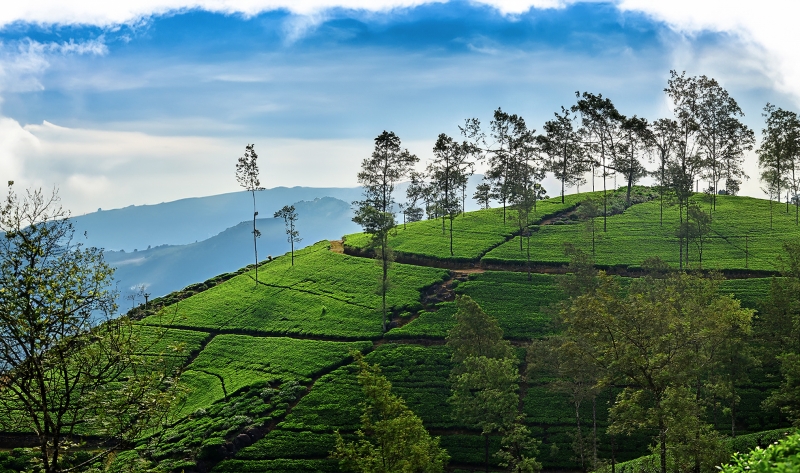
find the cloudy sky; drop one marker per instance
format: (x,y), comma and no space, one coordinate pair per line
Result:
(137,104)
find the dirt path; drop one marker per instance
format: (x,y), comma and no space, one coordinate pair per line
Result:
(337,246)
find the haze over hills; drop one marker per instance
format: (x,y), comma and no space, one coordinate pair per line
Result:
(167,268)
(189,220)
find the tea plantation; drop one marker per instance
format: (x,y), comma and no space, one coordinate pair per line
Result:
(267,365)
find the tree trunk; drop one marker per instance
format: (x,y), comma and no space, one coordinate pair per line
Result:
(385,277)
(486,451)
(662,441)
(451,235)
(594,433)
(255,236)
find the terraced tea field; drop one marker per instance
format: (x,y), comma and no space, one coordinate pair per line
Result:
(740,238)
(267,366)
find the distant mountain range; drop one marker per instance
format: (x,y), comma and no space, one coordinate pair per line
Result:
(166,268)
(190,220)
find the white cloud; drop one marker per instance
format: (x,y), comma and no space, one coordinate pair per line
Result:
(766,28)
(22,63)
(110,169)
(109,14)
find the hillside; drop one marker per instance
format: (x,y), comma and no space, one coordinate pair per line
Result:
(269,376)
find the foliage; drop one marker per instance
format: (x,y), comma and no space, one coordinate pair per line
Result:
(782,456)
(391,437)
(475,333)
(289,216)
(661,337)
(378,176)
(67,367)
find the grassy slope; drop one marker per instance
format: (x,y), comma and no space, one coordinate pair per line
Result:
(474,233)
(290,301)
(636,234)
(323,294)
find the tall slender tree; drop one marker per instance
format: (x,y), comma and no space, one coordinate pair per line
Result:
(664,134)
(449,171)
(562,145)
(289,216)
(247,176)
(779,153)
(684,93)
(603,126)
(375,213)
(633,143)
(722,137)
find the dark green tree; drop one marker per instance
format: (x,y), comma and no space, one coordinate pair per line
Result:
(634,142)
(659,339)
(664,134)
(722,137)
(449,171)
(779,153)
(562,145)
(392,438)
(247,177)
(289,216)
(475,333)
(379,174)
(684,92)
(483,195)
(602,125)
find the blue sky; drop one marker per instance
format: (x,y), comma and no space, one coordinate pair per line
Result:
(119,108)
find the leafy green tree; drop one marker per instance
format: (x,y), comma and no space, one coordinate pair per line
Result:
(562,145)
(634,142)
(379,174)
(519,449)
(391,438)
(289,216)
(602,124)
(483,195)
(247,177)
(659,339)
(449,169)
(779,153)
(67,367)
(696,229)
(484,379)
(722,137)
(779,333)
(485,394)
(475,333)
(415,192)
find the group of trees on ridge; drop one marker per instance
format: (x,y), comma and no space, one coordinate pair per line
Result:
(705,140)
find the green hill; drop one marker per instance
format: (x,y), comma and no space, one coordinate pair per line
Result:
(267,366)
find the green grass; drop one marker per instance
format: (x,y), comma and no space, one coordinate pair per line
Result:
(323,294)
(636,234)
(474,233)
(518,304)
(237,361)
(168,341)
